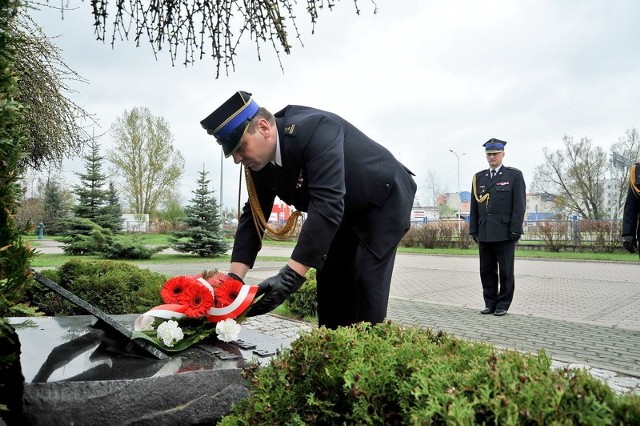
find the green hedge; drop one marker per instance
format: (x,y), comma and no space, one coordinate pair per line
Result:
(114,287)
(395,375)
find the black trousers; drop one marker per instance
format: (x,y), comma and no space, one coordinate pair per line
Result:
(354,284)
(496,273)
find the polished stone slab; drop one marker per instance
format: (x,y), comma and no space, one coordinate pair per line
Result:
(104,321)
(78,374)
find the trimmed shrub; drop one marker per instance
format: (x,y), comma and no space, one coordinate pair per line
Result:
(114,287)
(395,375)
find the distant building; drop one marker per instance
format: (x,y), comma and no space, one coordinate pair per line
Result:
(542,206)
(424,214)
(454,201)
(135,222)
(280,212)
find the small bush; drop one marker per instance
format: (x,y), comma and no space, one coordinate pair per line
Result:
(604,235)
(304,302)
(554,235)
(114,287)
(82,236)
(128,248)
(438,234)
(394,375)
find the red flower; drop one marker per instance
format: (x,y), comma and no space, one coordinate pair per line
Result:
(227,292)
(198,300)
(172,290)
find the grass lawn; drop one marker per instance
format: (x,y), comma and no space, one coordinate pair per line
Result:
(55,260)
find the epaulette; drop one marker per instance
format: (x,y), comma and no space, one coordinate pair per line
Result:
(512,168)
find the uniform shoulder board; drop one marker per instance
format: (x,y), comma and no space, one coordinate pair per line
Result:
(512,168)
(290,129)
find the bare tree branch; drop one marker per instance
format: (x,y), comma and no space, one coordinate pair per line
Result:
(56,126)
(624,154)
(194,29)
(576,174)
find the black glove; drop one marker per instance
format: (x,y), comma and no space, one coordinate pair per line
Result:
(275,290)
(235,277)
(629,243)
(474,237)
(515,236)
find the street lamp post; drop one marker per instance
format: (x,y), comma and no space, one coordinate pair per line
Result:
(459,195)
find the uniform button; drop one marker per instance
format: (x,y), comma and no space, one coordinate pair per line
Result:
(387,186)
(323,257)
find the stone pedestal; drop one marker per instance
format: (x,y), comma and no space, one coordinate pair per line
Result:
(77,374)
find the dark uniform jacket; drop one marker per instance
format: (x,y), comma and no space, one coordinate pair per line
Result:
(340,177)
(503,211)
(632,208)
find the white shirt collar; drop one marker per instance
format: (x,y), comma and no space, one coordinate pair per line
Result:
(278,159)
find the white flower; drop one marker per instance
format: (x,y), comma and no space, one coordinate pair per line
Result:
(228,330)
(170,333)
(146,323)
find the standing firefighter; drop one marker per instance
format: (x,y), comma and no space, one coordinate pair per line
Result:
(630,220)
(497,214)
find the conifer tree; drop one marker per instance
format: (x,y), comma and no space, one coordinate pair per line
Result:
(203,235)
(92,197)
(96,203)
(56,206)
(15,256)
(110,216)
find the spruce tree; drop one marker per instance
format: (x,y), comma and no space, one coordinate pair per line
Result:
(110,215)
(92,197)
(203,235)
(56,206)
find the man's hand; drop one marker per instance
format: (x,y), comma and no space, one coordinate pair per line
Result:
(275,290)
(515,237)
(629,243)
(474,237)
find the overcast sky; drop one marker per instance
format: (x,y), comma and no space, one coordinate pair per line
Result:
(421,78)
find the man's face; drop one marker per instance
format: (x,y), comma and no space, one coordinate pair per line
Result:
(255,150)
(495,159)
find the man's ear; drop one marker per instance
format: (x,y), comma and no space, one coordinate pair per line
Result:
(264,128)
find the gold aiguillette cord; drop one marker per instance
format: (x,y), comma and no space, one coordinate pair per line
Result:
(281,234)
(479,199)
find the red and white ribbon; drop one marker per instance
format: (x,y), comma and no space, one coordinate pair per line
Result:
(176,311)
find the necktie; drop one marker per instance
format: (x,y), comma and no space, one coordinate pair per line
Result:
(493,173)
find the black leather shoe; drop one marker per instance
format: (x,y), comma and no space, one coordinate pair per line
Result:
(500,312)
(487,310)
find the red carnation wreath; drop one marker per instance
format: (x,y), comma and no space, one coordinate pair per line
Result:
(194,307)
